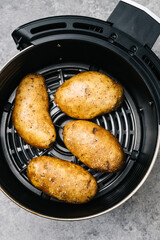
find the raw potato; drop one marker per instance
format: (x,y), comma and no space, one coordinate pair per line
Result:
(93,145)
(88,94)
(62,179)
(31,112)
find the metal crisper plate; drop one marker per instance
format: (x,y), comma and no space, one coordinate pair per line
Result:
(123,123)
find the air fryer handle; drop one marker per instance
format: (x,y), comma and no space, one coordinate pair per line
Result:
(32,32)
(136,21)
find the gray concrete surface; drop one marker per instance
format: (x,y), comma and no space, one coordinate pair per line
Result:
(139,217)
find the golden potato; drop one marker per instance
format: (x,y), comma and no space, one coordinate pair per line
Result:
(93,145)
(88,94)
(31,112)
(62,179)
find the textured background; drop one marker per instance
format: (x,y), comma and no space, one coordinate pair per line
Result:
(139,217)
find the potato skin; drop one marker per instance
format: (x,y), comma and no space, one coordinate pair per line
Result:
(88,94)
(62,179)
(93,145)
(31,112)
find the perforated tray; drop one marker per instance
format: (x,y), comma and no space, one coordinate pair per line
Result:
(123,123)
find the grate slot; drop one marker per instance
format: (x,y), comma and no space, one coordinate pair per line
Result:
(125,140)
(16,148)
(23,169)
(7,107)
(113,129)
(24,148)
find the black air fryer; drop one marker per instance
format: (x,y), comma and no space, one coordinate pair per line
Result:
(58,48)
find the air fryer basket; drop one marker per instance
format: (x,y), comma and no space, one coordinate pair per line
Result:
(58,48)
